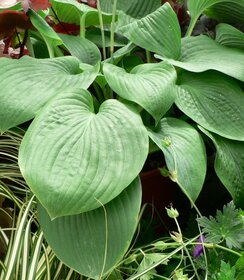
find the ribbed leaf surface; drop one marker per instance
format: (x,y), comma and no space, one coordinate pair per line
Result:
(229,36)
(229,165)
(201,53)
(76,157)
(213,100)
(230,11)
(27,84)
(158,32)
(184,153)
(70,11)
(150,85)
(93,242)
(83,49)
(135,8)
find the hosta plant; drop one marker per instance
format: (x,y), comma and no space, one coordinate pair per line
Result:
(99,89)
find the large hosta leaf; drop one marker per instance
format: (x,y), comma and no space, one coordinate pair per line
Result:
(230,12)
(213,100)
(229,165)
(229,36)
(184,153)
(201,53)
(158,32)
(27,84)
(93,242)
(150,85)
(79,158)
(85,50)
(71,11)
(196,8)
(135,8)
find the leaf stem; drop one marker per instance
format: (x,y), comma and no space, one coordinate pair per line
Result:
(112,30)
(102,28)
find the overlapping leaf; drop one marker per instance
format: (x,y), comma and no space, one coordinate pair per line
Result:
(71,11)
(79,158)
(158,32)
(136,8)
(230,11)
(150,85)
(83,49)
(213,100)
(201,53)
(196,8)
(229,165)
(27,84)
(93,242)
(184,153)
(229,36)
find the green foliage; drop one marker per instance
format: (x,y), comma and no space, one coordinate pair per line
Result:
(88,109)
(227,226)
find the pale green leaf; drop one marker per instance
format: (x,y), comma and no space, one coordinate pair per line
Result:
(198,7)
(77,157)
(199,54)
(71,11)
(83,49)
(229,36)
(158,32)
(50,37)
(27,84)
(135,8)
(230,11)
(184,153)
(93,242)
(150,85)
(213,100)
(229,165)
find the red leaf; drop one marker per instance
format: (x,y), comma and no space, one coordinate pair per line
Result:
(35,5)
(11,21)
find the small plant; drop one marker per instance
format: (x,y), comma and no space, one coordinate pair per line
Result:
(96,88)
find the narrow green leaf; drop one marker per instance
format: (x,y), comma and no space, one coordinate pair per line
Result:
(77,157)
(150,85)
(19,235)
(158,32)
(184,153)
(229,165)
(27,84)
(199,54)
(229,36)
(93,242)
(83,49)
(213,100)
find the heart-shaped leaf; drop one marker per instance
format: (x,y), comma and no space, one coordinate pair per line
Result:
(158,32)
(213,100)
(229,36)
(79,158)
(199,54)
(93,242)
(150,85)
(229,165)
(27,84)
(83,49)
(184,153)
